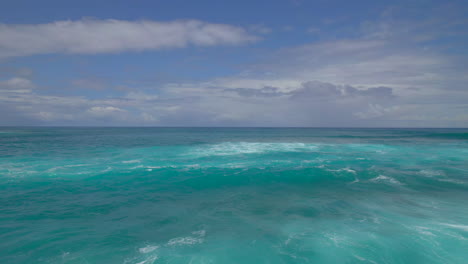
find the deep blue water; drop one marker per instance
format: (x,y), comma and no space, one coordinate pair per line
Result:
(233,195)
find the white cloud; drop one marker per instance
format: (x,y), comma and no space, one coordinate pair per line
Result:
(89,36)
(383,77)
(362,62)
(311,103)
(16,85)
(141,96)
(104,110)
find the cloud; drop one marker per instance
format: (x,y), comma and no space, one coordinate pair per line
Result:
(385,73)
(363,62)
(107,112)
(89,83)
(141,96)
(267,91)
(92,36)
(312,103)
(314,89)
(16,85)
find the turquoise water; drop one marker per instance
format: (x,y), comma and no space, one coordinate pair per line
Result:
(233,195)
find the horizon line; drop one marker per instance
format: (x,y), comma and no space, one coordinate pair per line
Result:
(318,127)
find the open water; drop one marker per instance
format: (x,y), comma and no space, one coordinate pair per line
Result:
(233,195)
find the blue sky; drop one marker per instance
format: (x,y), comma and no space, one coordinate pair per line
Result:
(236,63)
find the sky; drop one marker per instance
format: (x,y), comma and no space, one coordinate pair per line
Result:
(276,63)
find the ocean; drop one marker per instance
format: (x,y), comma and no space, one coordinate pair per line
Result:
(233,195)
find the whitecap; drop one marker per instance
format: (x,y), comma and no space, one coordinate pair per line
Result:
(179,241)
(452,181)
(199,233)
(148,249)
(383,178)
(461,227)
(347,170)
(342,169)
(431,173)
(131,161)
(356,180)
(154,167)
(238,148)
(423,230)
(149,260)
(76,165)
(107,169)
(364,259)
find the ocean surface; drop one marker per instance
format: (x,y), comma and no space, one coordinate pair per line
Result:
(233,195)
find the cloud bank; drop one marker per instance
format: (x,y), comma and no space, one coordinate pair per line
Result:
(311,103)
(386,73)
(90,36)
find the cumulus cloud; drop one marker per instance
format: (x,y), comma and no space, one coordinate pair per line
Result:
(91,36)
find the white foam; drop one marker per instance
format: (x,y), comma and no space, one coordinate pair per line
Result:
(190,240)
(452,181)
(76,165)
(232,148)
(154,167)
(149,168)
(201,233)
(431,173)
(356,180)
(344,169)
(423,230)
(364,259)
(148,249)
(461,227)
(131,161)
(337,240)
(234,166)
(383,178)
(149,260)
(107,169)
(184,241)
